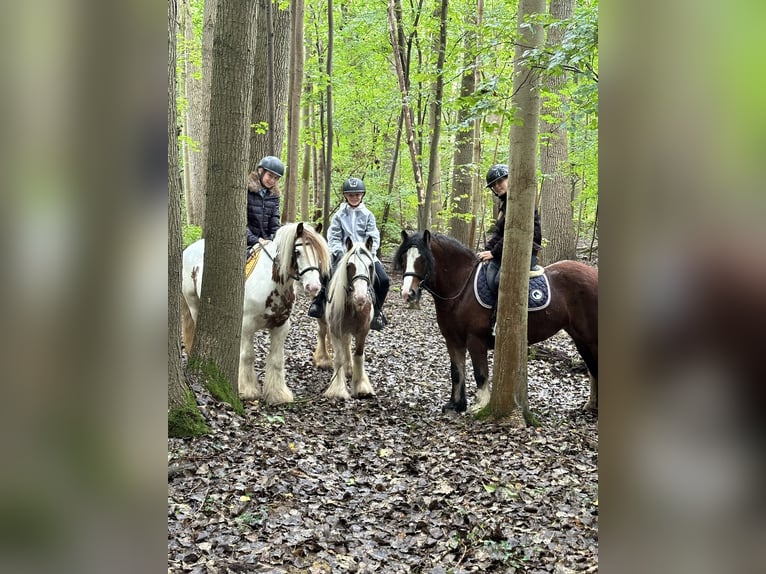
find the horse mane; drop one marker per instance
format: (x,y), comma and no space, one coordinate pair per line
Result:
(336,290)
(284,240)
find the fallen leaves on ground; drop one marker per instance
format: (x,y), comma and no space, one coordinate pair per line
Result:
(389,484)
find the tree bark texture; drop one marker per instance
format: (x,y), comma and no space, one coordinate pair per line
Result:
(268,88)
(410,135)
(295,76)
(329,140)
(220,319)
(175,376)
(463,176)
(435,113)
(509,388)
(556,188)
(198,124)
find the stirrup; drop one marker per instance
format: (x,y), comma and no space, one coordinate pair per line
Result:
(378,321)
(316,309)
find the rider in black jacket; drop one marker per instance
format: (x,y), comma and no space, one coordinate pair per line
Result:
(263,200)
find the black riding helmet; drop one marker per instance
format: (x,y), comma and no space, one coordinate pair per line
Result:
(272,164)
(354,185)
(496,173)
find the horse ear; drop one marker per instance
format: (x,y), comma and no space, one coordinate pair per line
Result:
(404,236)
(427,236)
(299,231)
(368,244)
(349,244)
(318,227)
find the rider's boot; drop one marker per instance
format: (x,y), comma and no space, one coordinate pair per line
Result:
(378,320)
(316,309)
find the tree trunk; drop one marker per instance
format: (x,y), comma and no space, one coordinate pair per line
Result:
(434,165)
(476,188)
(329,140)
(187,86)
(306,214)
(294,115)
(509,388)
(219,324)
(463,175)
(270,83)
(556,187)
(199,120)
(398,64)
(282,27)
(184,418)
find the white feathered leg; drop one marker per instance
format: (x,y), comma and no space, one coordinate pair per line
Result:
(360,383)
(247,385)
(275,390)
(337,388)
(482,398)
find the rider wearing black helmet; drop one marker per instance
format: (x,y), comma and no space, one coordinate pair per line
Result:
(353,220)
(263,199)
(497,181)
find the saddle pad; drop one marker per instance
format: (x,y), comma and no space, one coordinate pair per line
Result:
(252,261)
(539,291)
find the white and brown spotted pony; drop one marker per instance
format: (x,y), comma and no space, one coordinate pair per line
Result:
(297,253)
(347,316)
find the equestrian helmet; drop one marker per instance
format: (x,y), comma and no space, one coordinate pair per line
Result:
(496,173)
(354,185)
(272,164)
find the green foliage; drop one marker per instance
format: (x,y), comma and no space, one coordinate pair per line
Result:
(216,383)
(186,420)
(190,234)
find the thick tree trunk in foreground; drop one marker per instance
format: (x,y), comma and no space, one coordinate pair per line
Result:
(217,335)
(184,418)
(509,386)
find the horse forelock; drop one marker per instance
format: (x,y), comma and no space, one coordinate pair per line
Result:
(336,290)
(415,240)
(285,240)
(319,244)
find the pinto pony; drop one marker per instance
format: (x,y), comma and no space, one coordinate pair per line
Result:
(446,269)
(348,315)
(297,253)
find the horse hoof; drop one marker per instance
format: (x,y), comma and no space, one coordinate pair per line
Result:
(365,395)
(451,407)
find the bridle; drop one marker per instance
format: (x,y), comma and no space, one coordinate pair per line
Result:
(306,269)
(424,278)
(359,252)
(298,271)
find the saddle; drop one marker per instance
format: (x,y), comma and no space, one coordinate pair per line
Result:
(539,288)
(253,254)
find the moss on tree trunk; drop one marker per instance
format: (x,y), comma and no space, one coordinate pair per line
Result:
(185,420)
(217,383)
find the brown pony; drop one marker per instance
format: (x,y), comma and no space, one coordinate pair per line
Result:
(446,269)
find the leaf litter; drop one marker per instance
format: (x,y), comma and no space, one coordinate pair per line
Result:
(389,484)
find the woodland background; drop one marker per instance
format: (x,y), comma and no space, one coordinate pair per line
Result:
(420,122)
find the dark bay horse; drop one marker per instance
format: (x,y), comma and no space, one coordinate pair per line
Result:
(446,269)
